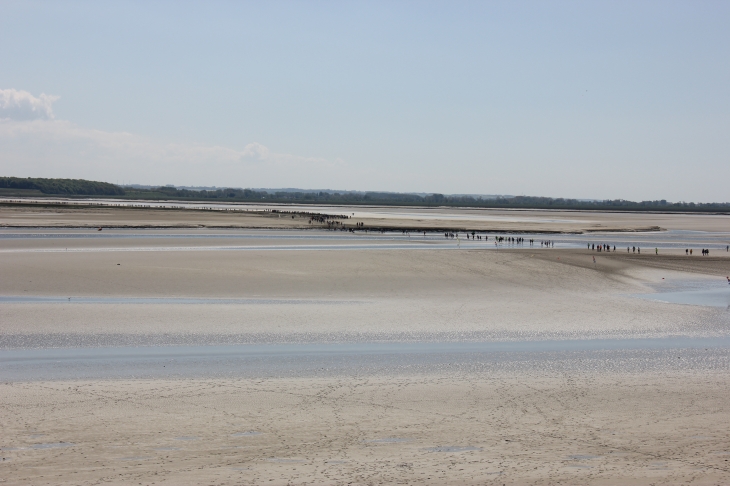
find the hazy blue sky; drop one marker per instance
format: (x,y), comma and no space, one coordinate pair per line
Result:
(577,99)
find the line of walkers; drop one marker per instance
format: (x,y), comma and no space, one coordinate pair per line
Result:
(499,239)
(600,247)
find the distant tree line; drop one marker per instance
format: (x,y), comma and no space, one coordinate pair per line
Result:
(72,187)
(80,187)
(390,198)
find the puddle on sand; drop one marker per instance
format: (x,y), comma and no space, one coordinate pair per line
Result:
(579,466)
(453,449)
(250,433)
(285,460)
(19,299)
(186,438)
(51,445)
(335,462)
(387,440)
(582,457)
(710,293)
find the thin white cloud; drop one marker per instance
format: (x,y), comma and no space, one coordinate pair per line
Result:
(58,148)
(22,106)
(33,143)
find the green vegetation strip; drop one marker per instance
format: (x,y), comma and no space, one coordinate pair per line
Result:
(15,186)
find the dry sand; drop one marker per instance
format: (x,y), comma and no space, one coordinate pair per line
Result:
(668,428)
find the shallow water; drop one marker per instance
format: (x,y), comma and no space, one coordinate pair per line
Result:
(20,299)
(710,297)
(710,292)
(452,449)
(360,358)
(51,445)
(402,348)
(674,239)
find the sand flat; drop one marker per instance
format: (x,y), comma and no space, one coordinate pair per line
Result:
(669,428)
(639,416)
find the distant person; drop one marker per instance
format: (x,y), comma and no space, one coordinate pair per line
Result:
(656,250)
(594,259)
(686,251)
(690,251)
(638,250)
(728,280)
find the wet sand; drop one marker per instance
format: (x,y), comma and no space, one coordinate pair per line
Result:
(589,417)
(470,294)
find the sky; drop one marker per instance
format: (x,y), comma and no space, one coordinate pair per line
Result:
(602,100)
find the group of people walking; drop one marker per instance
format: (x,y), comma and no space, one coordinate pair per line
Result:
(705,251)
(601,247)
(510,240)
